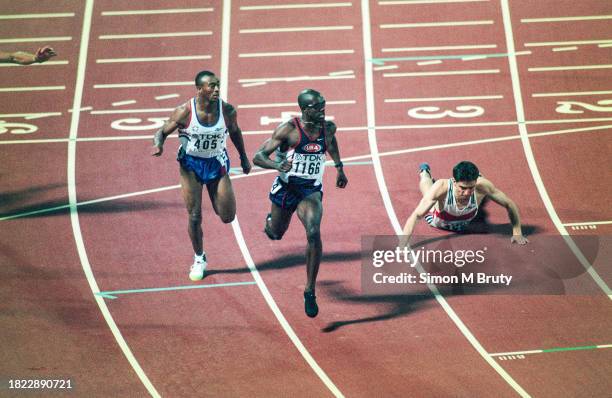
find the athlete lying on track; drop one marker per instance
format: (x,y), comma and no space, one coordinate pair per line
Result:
(452,203)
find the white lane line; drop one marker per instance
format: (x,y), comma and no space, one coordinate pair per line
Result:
(565,19)
(294,53)
(30,115)
(352,158)
(296,29)
(437,48)
(254,84)
(342,72)
(48,63)
(152,59)
(371,114)
(473,57)
(393,216)
(575,224)
(294,6)
(385,67)
(33,88)
(490,124)
(292,78)
(33,16)
(432,62)
(442,73)
(567,43)
(340,129)
(36,39)
(435,24)
(225,45)
(576,67)
(150,84)
(605,45)
(561,349)
(72,198)
(571,94)
(116,111)
(410,2)
(533,167)
(154,12)
(226,21)
(167,96)
(82,109)
(557,49)
(441,57)
(291,104)
(153,35)
(120,103)
(436,99)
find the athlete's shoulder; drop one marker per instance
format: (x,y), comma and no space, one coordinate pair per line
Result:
(228,109)
(284,129)
(484,186)
(330,126)
(182,113)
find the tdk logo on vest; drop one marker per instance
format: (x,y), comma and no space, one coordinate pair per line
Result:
(312,147)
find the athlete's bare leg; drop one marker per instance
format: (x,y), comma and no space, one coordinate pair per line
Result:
(222,198)
(310,212)
(278,222)
(192,195)
(425,182)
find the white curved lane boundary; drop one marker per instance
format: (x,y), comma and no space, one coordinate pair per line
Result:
(533,167)
(72,197)
(391,213)
(225,46)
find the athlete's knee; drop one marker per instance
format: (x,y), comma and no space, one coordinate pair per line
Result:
(313,234)
(195,217)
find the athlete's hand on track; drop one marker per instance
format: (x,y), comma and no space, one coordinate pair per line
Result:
(285,165)
(341,179)
(44,54)
(245,164)
(520,239)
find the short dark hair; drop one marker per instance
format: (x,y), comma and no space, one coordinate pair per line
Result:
(306,97)
(202,75)
(465,171)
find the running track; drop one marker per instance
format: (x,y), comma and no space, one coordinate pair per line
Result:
(85,209)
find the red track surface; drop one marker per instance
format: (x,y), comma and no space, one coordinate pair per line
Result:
(226,341)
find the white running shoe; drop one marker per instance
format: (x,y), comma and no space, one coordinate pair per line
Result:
(197,268)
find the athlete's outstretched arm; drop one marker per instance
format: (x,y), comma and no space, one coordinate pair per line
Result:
(262,156)
(24,58)
(427,202)
(334,152)
(513,213)
(177,119)
(236,136)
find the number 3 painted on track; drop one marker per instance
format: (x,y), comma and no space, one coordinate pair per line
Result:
(130,124)
(17,128)
(433,112)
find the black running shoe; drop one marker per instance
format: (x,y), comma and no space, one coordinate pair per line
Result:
(310,304)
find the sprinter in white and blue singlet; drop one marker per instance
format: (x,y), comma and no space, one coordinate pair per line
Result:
(451,204)
(299,146)
(204,123)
